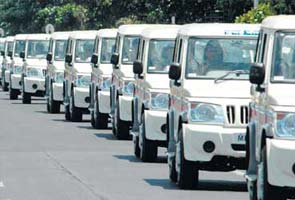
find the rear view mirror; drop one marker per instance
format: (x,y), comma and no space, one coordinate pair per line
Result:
(115,59)
(49,57)
(10,54)
(94,59)
(22,55)
(69,58)
(257,74)
(137,67)
(175,71)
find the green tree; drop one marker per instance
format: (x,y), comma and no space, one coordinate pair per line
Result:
(256,15)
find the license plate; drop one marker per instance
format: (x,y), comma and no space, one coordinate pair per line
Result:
(239,138)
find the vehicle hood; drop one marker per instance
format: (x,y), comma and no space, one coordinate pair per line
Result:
(105,69)
(59,65)
(159,81)
(223,89)
(42,63)
(127,71)
(281,94)
(83,68)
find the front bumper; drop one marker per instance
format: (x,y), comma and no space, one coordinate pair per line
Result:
(81,97)
(16,81)
(7,76)
(224,139)
(33,85)
(154,122)
(57,91)
(125,105)
(281,162)
(104,102)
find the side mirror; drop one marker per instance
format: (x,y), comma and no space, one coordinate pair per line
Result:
(69,58)
(257,74)
(175,71)
(10,54)
(2,53)
(115,59)
(49,57)
(94,59)
(137,67)
(22,55)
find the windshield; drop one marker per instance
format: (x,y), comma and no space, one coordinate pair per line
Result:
(60,49)
(84,50)
(9,46)
(130,48)
(160,55)
(38,48)
(107,48)
(283,67)
(20,46)
(213,58)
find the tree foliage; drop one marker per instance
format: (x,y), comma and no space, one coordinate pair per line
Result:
(256,15)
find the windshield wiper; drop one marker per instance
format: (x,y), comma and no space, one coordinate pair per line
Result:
(236,72)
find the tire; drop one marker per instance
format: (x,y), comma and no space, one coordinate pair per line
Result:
(264,190)
(67,113)
(52,105)
(5,87)
(171,160)
(121,127)
(92,119)
(100,119)
(13,94)
(188,175)
(148,150)
(76,113)
(136,148)
(26,98)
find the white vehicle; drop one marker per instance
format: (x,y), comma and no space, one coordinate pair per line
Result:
(209,98)
(2,52)
(270,139)
(123,78)
(101,78)
(55,70)
(6,62)
(16,66)
(150,103)
(78,74)
(34,66)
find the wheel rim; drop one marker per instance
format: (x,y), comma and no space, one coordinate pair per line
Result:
(260,181)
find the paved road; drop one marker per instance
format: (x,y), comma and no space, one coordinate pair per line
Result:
(42,157)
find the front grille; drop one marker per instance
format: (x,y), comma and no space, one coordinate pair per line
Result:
(238,147)
(230,111)
(244,114)
(235,114)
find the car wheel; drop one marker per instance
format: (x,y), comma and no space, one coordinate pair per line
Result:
(76,113)
(148,148)
(187,173)
(136,147)
(54,106)
(121,127)
(26,98)
(100,119)
(264,190)
(13,94)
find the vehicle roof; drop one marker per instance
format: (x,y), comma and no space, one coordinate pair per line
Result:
(20,37)
(38,36)
(61,35)
(286,22)
(132,29)
(109,33)
(10,38)
(89,34)
(161,31)
(220,30)
(2,39)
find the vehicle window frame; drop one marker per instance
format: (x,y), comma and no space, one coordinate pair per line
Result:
(100,53)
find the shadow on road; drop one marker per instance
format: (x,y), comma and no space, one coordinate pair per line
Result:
(204,185)
(108,136)
(129,158)
(33,103)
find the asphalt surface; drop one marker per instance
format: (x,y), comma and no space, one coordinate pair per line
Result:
(42,157)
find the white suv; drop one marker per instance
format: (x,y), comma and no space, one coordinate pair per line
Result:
(101,78)
(270,139)
(2,51)
(6,63)
(150,103)
(34,66)
(209,98)
(123,78)
(55,70)
(77,74)
(16,66)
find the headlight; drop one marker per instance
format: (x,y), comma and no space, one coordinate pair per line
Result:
(35,72)
(83,81)
(17,69)
(128,88)
(106,84)
(159,101)
(206,113)
(59,77)
(285,125)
